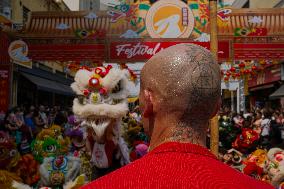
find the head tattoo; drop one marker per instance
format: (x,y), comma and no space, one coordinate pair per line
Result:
(185,80)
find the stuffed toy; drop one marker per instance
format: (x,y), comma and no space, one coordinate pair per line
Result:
(246,140)
(274,166)
(101,103)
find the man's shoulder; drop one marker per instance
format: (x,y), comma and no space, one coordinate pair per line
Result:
(122,177)
(171,168)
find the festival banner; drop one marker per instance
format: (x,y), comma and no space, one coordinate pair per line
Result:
(4,86)
(244,51)
(142,51)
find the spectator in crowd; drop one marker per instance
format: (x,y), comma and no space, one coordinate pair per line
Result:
(29,121)
(39,123)
(43,116)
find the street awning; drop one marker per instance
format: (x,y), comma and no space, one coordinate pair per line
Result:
(279,93)
(49,85)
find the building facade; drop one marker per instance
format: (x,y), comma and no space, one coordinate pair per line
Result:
(23,88)
(20,9)
(257,3)
(90,5)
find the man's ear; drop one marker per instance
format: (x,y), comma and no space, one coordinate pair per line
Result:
(148,106)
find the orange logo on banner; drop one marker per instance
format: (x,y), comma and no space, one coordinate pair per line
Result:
(18,52)
(169,19)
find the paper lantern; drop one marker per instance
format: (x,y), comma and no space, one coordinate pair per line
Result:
(228,74)
(254,68)
(233,69)
(247,72)
(242,65)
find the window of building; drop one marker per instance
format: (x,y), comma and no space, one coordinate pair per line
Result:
(5,8)
(25,14)
(246,5)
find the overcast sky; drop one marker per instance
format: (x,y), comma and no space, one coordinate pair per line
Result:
(72,4)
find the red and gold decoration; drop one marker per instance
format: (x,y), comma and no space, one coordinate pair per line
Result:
(246,69)
(133,76)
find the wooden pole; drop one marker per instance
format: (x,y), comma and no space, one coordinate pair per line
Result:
(214,127)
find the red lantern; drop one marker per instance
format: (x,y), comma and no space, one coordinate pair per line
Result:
(228,74)
(247,72)
(233,69)
(226,79)
(238,75)
(242,65)
(254,68)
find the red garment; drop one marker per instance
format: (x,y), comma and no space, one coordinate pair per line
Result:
(177,166)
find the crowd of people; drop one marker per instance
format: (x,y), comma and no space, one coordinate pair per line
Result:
(253,142)
(242,135)
(24,123)
(36,133)
(52,147)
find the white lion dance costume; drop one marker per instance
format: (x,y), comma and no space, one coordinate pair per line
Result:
(101,103)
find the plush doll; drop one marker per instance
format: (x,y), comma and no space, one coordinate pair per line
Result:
(101,103)
(246,140)
(275,166)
